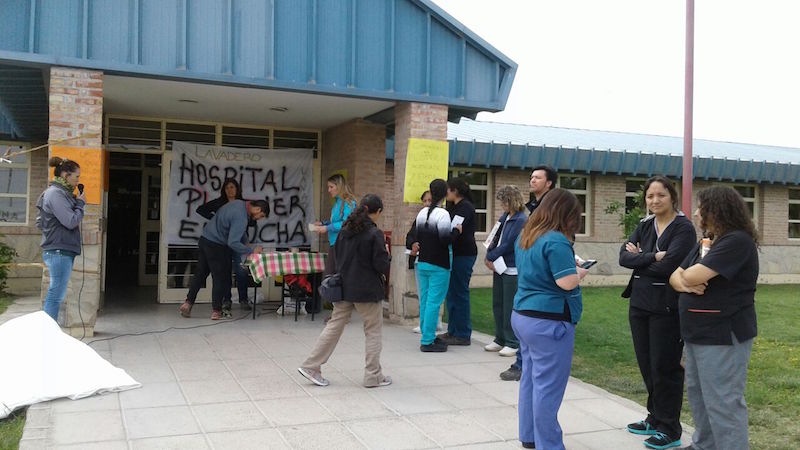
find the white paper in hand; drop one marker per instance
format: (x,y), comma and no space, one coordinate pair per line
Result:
(500,265)
(457,220)
(492,233)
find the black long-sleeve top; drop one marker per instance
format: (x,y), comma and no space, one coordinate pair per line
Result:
(649,287)
(464,243)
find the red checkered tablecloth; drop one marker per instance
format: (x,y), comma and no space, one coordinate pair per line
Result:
(263,265)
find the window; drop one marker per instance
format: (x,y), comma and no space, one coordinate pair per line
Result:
(478,181)
(749,193)
(794,213)
(634,197)
(14,187)
(578,185)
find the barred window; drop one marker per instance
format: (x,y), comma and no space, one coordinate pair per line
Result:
(478,181)
(580,186)
(794,213)
(14,186)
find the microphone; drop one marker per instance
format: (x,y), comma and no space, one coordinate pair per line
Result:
(80,188)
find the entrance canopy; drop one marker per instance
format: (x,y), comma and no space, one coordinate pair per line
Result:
(381,50)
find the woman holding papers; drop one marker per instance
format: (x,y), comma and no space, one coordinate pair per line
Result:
(717,283)
(465,252)
(344,202)
(547,306)
(500,260)
(660,242)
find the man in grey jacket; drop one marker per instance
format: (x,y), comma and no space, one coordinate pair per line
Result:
(225,233)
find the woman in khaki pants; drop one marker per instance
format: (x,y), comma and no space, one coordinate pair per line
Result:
(362,257)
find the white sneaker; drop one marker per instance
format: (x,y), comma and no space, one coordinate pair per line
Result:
(440,327)
(493,347)
(508,351)
(417,330)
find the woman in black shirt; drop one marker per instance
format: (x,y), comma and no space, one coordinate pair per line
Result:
(717,282)
(660,242)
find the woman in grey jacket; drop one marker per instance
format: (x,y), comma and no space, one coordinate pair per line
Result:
(60,215)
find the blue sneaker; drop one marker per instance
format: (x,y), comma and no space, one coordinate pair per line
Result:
(642,427)
(660,441)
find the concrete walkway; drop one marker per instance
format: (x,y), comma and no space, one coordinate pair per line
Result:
(235,385)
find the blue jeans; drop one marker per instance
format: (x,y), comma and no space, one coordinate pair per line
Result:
(242,279)
(432,281)
(546,347)
(59,264)
(458,314)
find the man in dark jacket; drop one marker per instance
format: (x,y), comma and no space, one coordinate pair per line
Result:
(543,179)
(362,257)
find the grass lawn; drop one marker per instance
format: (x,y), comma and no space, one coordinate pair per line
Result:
(604,357)
(5,301)
(10,427)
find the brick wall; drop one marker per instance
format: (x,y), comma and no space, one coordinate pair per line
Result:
(774,215)
(358,147)
(412,120)
(76,106)
(605,227)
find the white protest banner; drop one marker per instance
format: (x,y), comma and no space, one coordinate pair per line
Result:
(282,177)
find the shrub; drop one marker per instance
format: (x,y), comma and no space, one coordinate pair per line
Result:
(7,254)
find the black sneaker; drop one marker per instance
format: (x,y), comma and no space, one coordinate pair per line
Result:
(642,427)
(226,311)
(528,445)
(437,347)
(512,374)
(245,305)
(453,340)
(661,441)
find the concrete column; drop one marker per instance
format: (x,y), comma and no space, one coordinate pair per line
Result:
(76,118)
(421,121)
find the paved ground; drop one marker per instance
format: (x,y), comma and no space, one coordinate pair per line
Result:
(235,385)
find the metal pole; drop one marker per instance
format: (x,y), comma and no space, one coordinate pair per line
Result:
(688,91)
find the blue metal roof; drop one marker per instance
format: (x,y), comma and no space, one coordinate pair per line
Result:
(23,103)
(404,50)
(489,144)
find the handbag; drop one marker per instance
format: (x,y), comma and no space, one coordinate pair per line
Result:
(330,289)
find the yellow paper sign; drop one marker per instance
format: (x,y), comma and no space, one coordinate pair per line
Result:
(426,160)
(91,162)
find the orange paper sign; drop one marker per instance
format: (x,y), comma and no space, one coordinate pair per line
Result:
(91,162)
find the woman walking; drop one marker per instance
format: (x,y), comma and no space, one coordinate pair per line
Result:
(654,250)
(363,258)
(547,307)
(504,283)
(717,282)
(60,215)
(465,252)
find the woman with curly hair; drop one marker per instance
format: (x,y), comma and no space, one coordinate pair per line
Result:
(717,282)
(504,283)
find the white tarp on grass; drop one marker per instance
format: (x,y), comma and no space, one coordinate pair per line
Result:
(39,362)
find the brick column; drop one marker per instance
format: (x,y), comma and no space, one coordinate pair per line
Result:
(76,109)
(421,121)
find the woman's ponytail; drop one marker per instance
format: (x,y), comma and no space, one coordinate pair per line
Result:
(359,218)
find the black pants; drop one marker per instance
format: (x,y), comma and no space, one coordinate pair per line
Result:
(658,346)
(215,259)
